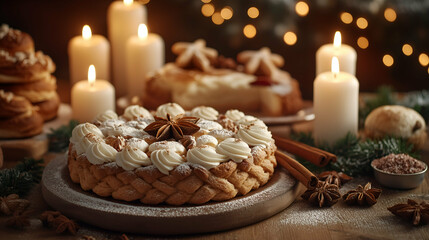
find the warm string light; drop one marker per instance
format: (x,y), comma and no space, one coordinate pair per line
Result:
(407,49)
(390,15)
(91,75)
(423,59)
(362,23)
(290,38)
(86,32)
(302,8)
(207,9)
(388,60)
(346,18)
(217,18)
(363,42)
(249,31)
(226,13)
(253,12)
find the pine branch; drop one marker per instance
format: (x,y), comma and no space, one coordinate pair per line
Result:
(418,101)
(21,178)
(59,138)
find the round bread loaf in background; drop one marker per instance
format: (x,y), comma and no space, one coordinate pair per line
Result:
(396,121)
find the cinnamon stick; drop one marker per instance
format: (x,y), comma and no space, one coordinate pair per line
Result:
(314,155)
(296,169)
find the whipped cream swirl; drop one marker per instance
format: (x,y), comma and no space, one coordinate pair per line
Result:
(207,113)
(135,111)
(100,152)
(131,158)
(172,146)
(234,114)
(173,109)
(109,114)
(82,145)
(166,160)
(206,157)
(206,140)
(255,135)
(221,134)
(235,149)
(137,143)
(80,131)
(251,121)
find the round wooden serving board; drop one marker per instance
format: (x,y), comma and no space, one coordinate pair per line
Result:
(65,196)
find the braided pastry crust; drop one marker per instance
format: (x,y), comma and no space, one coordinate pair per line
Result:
(187,183)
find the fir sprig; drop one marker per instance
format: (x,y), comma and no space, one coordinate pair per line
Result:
(59,138)
(21,178)
(354,155)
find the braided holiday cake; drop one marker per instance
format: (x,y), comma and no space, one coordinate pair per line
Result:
(172,156)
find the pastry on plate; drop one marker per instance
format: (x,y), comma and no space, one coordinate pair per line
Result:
(199,77)
(172,156)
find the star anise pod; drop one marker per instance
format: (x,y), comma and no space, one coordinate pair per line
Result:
(165,128)
(323,194)
(417,213)
(12,203)
(63,224)
(334,177)
(362,195)
(117,143)
(48,217)
(19,220)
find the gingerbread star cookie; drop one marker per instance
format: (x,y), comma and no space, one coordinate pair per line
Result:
(261,62)
(195,53)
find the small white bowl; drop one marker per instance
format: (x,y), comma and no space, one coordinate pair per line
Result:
(399,181)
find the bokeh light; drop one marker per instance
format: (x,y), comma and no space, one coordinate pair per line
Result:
(217,18)
(363,42)
(206,1)
(346,18)
(290,38)
(362,23)
(253,12)
(301,8)
(226,13)
(390,14)
(423,59)
(207,10)
(407,49)
(249,31)
(388,60)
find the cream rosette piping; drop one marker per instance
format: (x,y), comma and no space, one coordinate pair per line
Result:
(168,145)
(109,114)
(235,149)
(207,113)
(131,158)
(135,111)
(234,114)
(100,152)
(255,135)
(251,121)
(206,157)
(89,138)
(137,143)
(206,140)
(166,160)
(80,131)
(173,109)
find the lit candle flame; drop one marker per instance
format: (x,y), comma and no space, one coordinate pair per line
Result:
(91,75)
(142,31)
(128,2)
(335,66)
(337,39)
(86,32)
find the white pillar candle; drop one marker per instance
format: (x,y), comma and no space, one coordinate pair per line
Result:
(91,97)
(86,50)
(346,56)
(336,105)
(123,18)
(144,54)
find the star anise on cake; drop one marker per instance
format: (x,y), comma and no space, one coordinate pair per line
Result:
(323,194)
(12,203)
(177,127)
(362,195)
(334,177)
(417,213)
(261,62)
(194,54)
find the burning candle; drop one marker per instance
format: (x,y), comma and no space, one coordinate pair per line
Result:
(144,54)
(123,18)
(346,56)
(91,97)
(86,50)
(336,105)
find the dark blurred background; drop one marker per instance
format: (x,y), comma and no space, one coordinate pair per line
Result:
(377,29)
